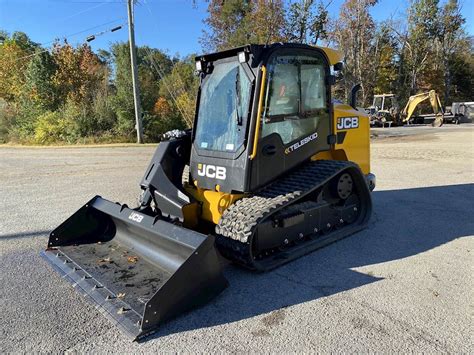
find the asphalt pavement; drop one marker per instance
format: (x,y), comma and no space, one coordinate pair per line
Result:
(403,284)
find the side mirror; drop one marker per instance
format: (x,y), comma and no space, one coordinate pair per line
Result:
(338,66)
(354,91)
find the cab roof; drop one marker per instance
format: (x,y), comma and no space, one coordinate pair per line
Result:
(334,56)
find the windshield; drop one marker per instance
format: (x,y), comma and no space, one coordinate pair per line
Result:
(223,108)
(378,103)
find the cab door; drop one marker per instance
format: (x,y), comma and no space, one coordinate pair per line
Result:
(295,122)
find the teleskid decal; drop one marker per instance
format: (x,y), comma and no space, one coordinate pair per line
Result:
(301,143)
(347,122)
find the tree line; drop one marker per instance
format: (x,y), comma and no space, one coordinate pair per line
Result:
(425,48)
(72,94)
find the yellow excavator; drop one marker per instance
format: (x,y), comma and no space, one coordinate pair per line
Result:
(415,100)
(385,110)
(272,169)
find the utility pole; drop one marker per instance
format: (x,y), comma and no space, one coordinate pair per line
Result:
(133,60)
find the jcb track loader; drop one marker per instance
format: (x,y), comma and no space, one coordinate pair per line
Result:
(273,169)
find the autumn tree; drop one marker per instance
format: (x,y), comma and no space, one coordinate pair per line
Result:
(179,88)
(78,72)
(79,76)
(234,23)
(268,21)
(15,54)
(307,21)
(353,33)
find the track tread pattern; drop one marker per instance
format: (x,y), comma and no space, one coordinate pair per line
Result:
(238,223)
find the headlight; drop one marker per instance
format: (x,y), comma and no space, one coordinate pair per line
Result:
(243,57)
(199,65)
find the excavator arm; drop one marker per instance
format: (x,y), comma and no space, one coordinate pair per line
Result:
(415,100)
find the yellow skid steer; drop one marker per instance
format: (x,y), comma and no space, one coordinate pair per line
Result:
(272,169)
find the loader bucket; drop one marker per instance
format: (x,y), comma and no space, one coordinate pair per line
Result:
(138,270)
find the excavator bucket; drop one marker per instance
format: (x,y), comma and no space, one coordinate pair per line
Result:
(138,270)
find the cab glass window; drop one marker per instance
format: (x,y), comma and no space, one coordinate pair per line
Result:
(295,96)
(223,108)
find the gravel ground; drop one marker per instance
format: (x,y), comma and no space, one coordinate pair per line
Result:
(404,284)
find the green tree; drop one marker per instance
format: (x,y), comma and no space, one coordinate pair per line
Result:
(268,20)
(461,64)
(39,86)
(153,65)
(16,52)
(386,50)
(451,37)
(123,98)
(418,41)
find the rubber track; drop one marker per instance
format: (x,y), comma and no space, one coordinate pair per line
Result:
(239,221)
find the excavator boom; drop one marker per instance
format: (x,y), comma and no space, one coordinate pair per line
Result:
(415,100)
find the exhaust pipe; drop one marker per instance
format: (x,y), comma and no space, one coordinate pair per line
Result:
(353,99)
(139,271)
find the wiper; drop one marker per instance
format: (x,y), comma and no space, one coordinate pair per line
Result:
(237,97)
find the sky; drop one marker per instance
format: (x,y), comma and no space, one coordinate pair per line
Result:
(171,25)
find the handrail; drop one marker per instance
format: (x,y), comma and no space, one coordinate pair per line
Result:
(259,113)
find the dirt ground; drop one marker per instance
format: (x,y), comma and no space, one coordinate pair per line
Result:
(404,284)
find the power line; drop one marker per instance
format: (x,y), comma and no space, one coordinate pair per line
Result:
(83,31)
(160,72)
(92,2)
(101,3)
(31,55)
(66,37)
(83,11)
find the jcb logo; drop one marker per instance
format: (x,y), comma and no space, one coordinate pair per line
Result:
(212,171)
(135,217)
(347,122)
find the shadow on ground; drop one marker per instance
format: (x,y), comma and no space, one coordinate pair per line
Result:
(404,223)
(22,235)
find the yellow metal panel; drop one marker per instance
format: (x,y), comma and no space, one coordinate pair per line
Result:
(324,155)
(213,203)
(332,154)
(356,144)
